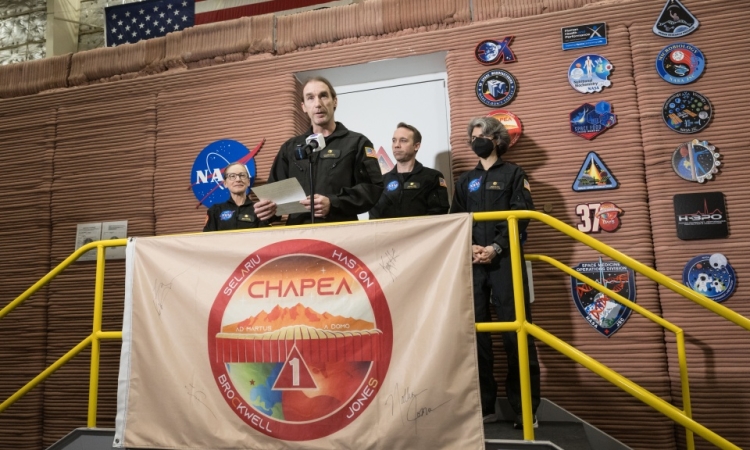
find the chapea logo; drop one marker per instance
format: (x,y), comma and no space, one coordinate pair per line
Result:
(300,339)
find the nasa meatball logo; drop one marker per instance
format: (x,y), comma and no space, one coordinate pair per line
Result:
(710,275)
(207,175)
(496,88)
(392,186)
(299,339)
(475,184)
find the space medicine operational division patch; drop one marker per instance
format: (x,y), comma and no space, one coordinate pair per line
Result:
(603,313)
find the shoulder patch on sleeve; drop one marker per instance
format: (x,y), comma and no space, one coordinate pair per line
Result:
(526,185)
(443,183)
(369,151)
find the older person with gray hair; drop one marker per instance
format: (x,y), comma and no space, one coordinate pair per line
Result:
(496,185)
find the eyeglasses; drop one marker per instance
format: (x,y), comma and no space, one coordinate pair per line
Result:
(474,138)
(234,176)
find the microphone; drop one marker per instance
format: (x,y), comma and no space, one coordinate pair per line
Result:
(313,143)
(316,142)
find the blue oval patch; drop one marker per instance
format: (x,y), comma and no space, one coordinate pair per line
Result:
(392,186)
(475,184)
(226,215)
(710,275)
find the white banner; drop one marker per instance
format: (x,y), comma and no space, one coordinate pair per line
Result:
(348,336)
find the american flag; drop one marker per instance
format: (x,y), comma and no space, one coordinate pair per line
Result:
(133,22)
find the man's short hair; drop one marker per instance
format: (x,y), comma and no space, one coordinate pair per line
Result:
(491,127)
(322,80)
(413,129)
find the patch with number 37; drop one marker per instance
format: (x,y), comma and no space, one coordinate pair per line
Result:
(598,216)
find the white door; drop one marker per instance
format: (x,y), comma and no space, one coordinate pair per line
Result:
(374,109)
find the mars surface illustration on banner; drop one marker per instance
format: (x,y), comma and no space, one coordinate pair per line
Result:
(300,339)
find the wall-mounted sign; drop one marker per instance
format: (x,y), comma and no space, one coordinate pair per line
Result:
(700,216)
(594,175)
(598,216)
(710,275)
(582,36)
(680,63)
(87,233)
(496,88)
(207,178)
(511,122)
(491,52)
(601,312)
(589,73)
(675,21)
(696,161)
(687,112)
(589,121)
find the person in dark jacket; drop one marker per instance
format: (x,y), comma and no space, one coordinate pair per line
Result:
(347,175)
(495,185)
(410,188)
(238,212)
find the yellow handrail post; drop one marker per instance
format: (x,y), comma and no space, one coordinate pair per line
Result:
(95,336)
(687,408)
(523,337)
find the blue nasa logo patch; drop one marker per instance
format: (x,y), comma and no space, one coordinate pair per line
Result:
(475,184)
(392,186)
(206,178)
(601,312)
(226,215)
(710,275)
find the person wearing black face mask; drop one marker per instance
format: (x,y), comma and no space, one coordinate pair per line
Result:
(495,185)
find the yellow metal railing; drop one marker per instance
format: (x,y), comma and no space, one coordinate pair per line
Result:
(94,339)
(524,328)
(520,326)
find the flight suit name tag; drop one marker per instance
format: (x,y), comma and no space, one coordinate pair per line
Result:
(246,218)
(411,185)
(330,153)
(495,186)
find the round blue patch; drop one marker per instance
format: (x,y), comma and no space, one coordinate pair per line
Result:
(226,215)
(496,88)
(206,178)
(475,184)
(392,186)
(710,275)
(680,63)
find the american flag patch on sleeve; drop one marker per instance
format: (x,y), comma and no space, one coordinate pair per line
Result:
(443,183)
(526,185)
(369,151)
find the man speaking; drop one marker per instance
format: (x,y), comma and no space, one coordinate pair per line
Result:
(410,188)
(346,173)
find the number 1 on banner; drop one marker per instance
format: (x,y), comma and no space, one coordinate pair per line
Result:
(294,374)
